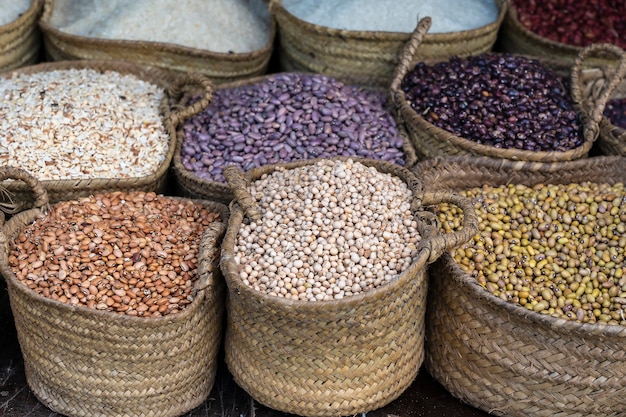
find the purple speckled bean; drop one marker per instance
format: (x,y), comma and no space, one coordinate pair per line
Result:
(288,117)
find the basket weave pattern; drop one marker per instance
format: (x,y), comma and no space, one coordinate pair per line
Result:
(20,40)
(330,358)
(85,362)
(501,357)
(367,57)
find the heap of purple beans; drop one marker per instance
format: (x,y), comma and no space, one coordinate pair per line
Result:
(288,117)
(500,100)
(615,111)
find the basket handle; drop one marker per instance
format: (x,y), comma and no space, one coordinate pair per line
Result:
(435,246)
(209,252)
(176,91)
(595,106)
(41,195)
(239,186)
(408,52)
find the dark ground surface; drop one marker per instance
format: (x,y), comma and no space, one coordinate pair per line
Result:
(425,397)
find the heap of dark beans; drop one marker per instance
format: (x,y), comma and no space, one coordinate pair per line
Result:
(574,22)
(501,100)
(289,117)
(615,111)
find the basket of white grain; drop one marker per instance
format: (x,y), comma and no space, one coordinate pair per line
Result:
(325,262)
(20,37)
(527,318)
(93,126)
(361,40)
(222,39)
(500,105)
(279,118)
(117,299)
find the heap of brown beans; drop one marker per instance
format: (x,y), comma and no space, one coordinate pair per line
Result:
(133,253)
(553,249)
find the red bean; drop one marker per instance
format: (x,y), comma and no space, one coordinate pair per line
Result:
(575,22)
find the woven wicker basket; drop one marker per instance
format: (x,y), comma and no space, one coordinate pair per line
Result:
(430,141)
(20,40)
(612,140)
(503,358)
(364,57)
(172,112)
(516,38)
(191,185)
(219,67)
(331,358)
(85,362)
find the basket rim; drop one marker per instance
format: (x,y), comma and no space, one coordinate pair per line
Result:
(31,13)
(504,307)
(202,295)
(417,269)
(172,48)
(281,12)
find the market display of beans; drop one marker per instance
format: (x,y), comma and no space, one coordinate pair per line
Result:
(328,230)
(553,249)
(289,117)
(573,22)
(616,112)
(333,233)
(130,253)
(501,100)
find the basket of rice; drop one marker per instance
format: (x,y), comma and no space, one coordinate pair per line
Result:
(499,105)
(93,126)
(117,299)
(325,262)
(282,118)
(527,318)
(559,29)
(361,40)
(222,39)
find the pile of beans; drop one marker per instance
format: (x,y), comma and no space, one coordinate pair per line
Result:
(12,9)
(224,26)
(131,253)
(82,124)
(289,117)
(500,100)
(395,15)
(329,230)
(577,23)
(553,249)
(615,111)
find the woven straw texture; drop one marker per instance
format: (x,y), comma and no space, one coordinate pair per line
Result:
(219,67)
(367,57)
(517,39)
(191,185)
(501,357)
(330,358)
(84,362)
(430,141)
(172,113)
(20,40)
(612,140)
